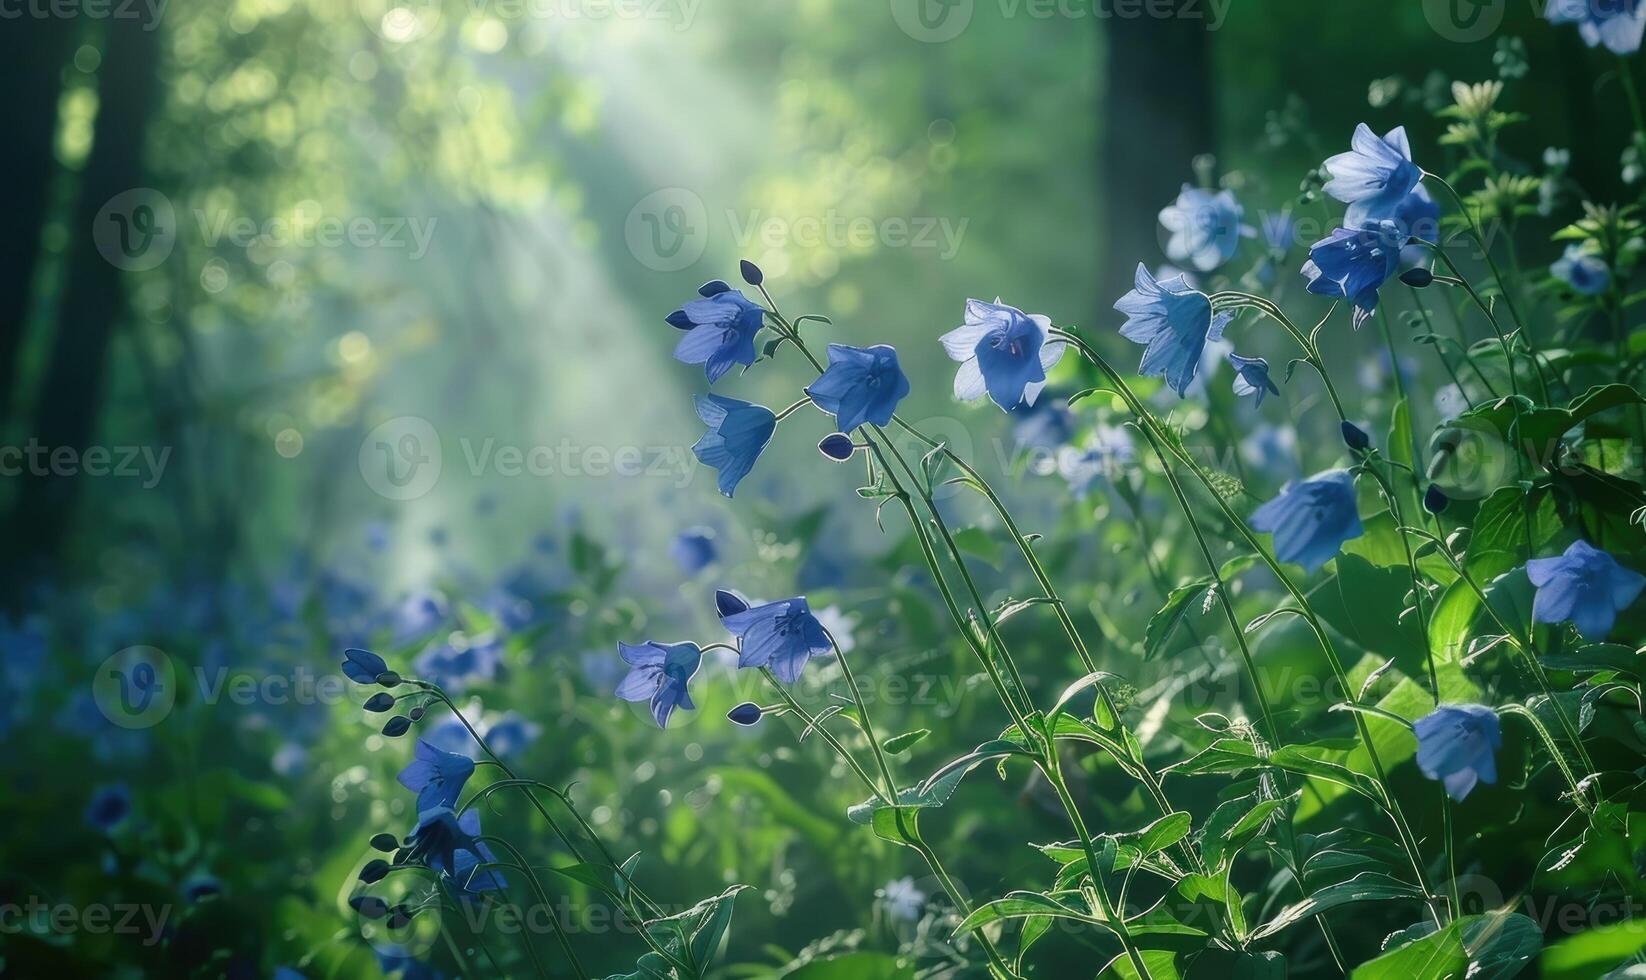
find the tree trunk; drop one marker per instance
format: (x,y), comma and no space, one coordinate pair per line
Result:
(93,298)
(1159,118)
(32,59)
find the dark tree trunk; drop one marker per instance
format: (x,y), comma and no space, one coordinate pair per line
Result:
(94,296)
(1159,118)
(32,58)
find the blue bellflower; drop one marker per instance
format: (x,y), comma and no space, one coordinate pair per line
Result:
(659,674)
(1252,377)
(1618,24)
(1003,352)
(781,635)
(1206,228)
(738,434)
(693,550)
(1354,265)
(1418,216)
(1374,177)
(510,732)
(446,842)
(436,776)
(455,662)
(720,329)
(1311,519)
(1457,744)
(1585,273)
(1173,322)
(1585,587)
(862,384)
(109,807)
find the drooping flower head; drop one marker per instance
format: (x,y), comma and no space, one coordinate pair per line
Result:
(1584,586)
(1205,227)
(782,635)
(447,843)
(1586,273)
(738,434)
(1354,265)
(693,550)
(1374,177)
(659,673)
(861,384)
(1311,519)
(1618,24)
(720,329)
(1457,744)
(436,776)
(1173,322)
(1003,352)
(1417,215)
(1252,377)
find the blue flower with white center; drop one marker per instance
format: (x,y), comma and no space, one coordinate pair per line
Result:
(1584,586)
(1354,265)
(781,635)
(738,434)
(1618,24)
(108,808)
(435,775)
(720,329)
(1585,272)
(861,384)
(1252,377)
(694,550)
(1311,519)
(1173,322)
(1457,744)
(1003,352)
(1206,228)
(659,674)
(1374,177)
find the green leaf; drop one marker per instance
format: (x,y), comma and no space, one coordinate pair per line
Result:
(1451,621)
(898,744)
(976,542)
(1438,956)
(938,787)
(1179,603)
(1590,953)
(853,966)
(1369,886)
(1357,602)
(1022,904)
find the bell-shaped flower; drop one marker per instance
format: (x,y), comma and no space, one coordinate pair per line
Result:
(782,635)
(1618,24)
(861,384)
(1374,177)
(436,776)
(1457,744)
(1173,323)
(1354,265)
(1003,352)
(1311,519)
(1252,377)
(659,673)
(1584,586)
(1205,227)
(738,434)
(720,329)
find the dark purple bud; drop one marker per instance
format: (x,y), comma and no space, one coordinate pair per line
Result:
(1418,277)
(387,843)
(751,273)
(1356,437)
(1434,501)
(837,447)
(388,678)
(729,603)
(379,702)
(369,906)
(397,726)
(374,870)
(745,714)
